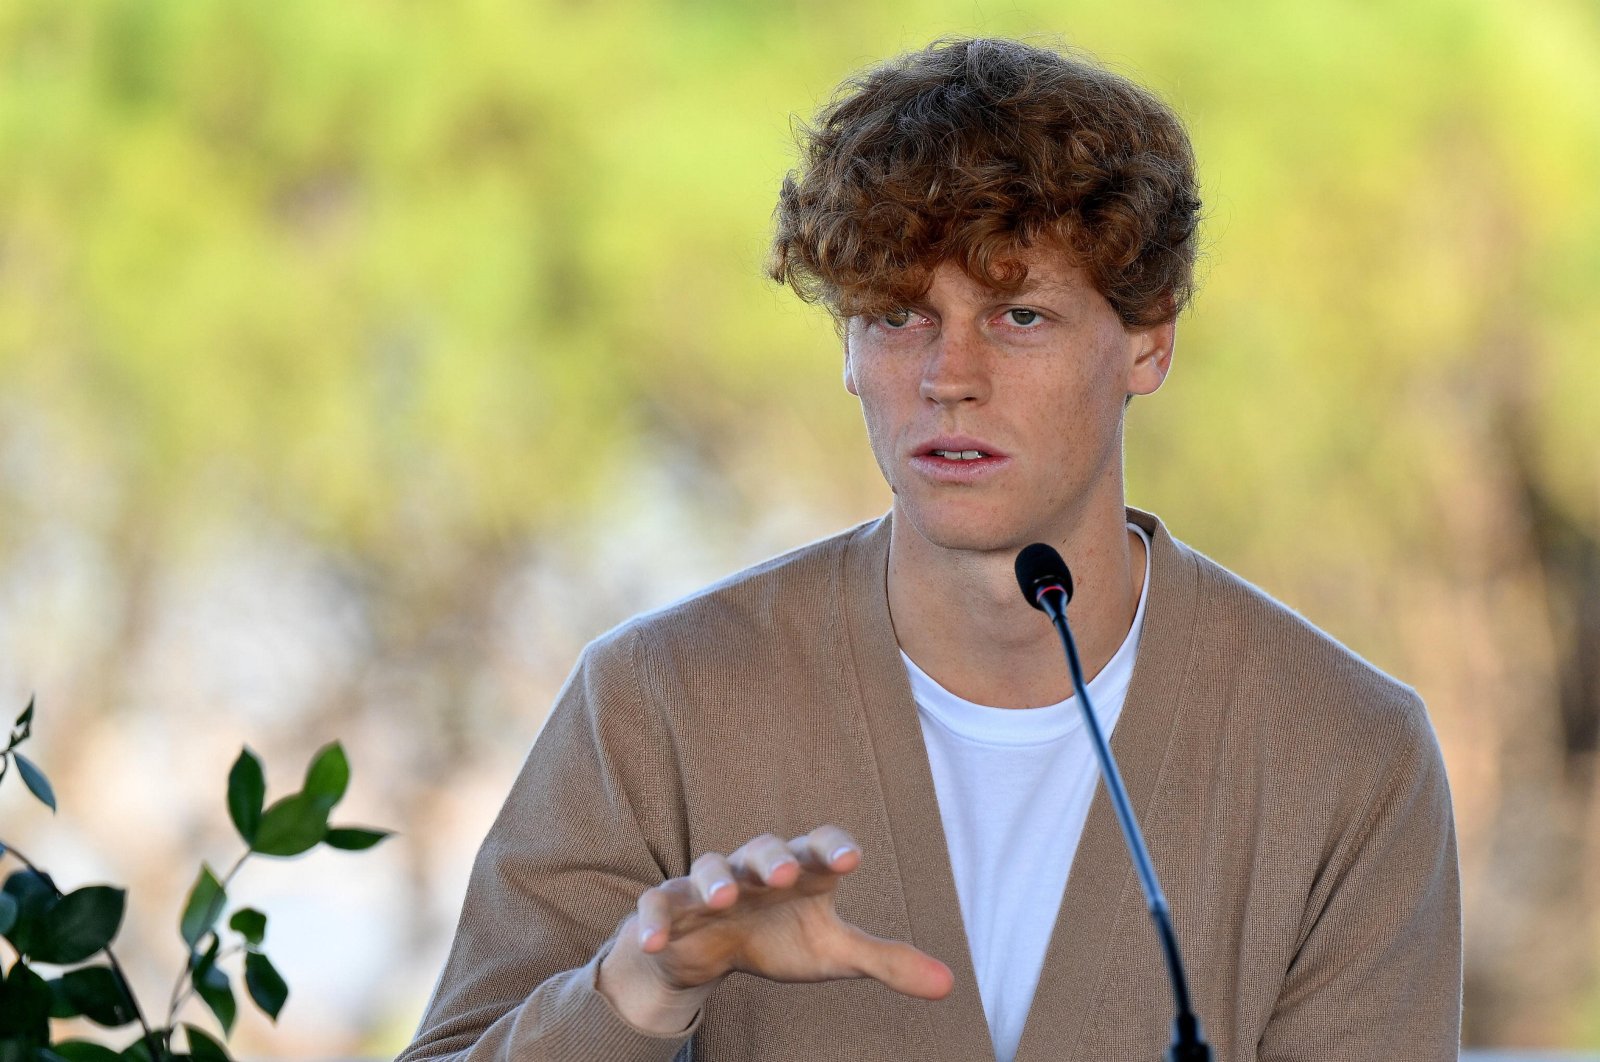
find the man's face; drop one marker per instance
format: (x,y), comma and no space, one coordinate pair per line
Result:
(997,418)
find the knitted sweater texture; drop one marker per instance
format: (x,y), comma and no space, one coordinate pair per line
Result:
(1293,799)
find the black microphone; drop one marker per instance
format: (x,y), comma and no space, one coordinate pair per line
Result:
(1047,585)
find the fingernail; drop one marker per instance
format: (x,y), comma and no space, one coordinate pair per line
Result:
(717,886)
(839,853)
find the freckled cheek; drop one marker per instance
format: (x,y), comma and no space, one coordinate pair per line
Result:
(884,401)
(881,437)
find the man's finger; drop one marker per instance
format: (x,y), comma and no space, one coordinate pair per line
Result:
(899,965)
(767,860)
(714,880)
(654,925)
(659,908)
(827,849)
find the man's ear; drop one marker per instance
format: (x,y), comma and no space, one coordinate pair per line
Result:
(1150,357)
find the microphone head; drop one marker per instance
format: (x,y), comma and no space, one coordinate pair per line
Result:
(1040,568)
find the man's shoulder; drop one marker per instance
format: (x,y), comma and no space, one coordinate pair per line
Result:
(1282,663)
(789,594)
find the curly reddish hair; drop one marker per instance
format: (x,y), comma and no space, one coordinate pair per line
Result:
(967,151)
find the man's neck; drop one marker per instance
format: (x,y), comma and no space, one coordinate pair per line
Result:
(959,616)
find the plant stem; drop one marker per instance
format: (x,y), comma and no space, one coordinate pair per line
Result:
(237,863)
(188,991)
(25,861)
(156,1053)
(177,987)
(179,994)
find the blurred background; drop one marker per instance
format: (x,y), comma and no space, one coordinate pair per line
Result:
(360,361)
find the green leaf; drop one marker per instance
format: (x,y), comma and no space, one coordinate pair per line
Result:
(328,776)
(45,1054)
(249,923)
(84,1051)
(60,1005)
(81,923)
(24,1004)
(139,1048)
(247,792)
(34,897)
(8,913)
(354,838)
(213,986)
(98,994)
(202,1048)
(203,908)
(293,825)
(35,780)
(139,1051)
(267,988)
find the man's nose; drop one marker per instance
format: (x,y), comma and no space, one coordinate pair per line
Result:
(957,368)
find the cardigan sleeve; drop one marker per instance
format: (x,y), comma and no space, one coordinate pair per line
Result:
(1378,972)
(590,823)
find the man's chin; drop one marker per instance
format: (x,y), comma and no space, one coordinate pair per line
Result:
(966,533)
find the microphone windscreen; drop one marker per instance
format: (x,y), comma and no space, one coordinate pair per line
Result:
(1039,566)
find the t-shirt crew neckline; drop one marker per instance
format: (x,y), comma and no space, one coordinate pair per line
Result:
(1016,727)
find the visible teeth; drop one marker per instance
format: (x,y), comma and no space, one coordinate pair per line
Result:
(959,455)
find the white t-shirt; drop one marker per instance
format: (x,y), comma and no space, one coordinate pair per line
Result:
(1014,788)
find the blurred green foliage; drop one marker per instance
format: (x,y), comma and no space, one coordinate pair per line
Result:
(380,262)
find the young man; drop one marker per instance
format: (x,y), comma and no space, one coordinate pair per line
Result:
(827,809)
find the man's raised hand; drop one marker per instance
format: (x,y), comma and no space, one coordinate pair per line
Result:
(766,909)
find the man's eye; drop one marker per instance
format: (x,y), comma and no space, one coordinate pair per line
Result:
(1023,317)
(897,318)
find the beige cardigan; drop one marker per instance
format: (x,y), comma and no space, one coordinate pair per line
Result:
(1293,798)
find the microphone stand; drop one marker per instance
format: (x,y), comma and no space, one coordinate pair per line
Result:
(1188,1045)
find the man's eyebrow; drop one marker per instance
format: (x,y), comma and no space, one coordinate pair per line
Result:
(1033,285)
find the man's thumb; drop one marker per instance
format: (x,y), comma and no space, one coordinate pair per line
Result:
(900,966)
